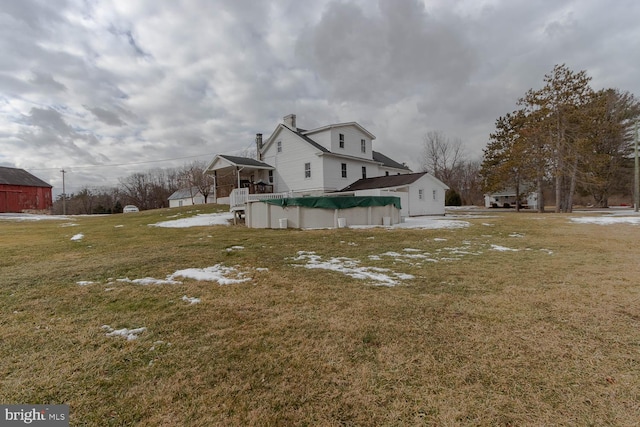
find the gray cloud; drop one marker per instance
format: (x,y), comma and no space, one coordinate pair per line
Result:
(113,83)
(105,116)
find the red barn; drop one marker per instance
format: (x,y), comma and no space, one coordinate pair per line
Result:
(21,191)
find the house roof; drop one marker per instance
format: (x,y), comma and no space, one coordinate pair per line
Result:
(388,181)
(184,193)
(224,161)
(388,162)
(245,161)
(14,176)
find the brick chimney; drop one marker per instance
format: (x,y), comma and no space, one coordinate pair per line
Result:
(259,146)
(290,121)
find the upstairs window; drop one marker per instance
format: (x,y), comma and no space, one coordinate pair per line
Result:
(270,177)
(344,170)
(420,194)
(341,136)
(307,170)
(363,145)
(364,172)
(279,145)
(435,195)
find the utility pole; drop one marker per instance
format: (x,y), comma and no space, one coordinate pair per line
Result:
(636,183)
(64,195)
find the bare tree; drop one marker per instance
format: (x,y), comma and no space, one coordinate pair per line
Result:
(442,156)
(195,177)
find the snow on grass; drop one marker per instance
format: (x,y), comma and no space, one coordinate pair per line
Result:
(129,334)
(607,220)
(217,273)
(351,268)
(191,300)
(145,281)
(77,237)
(199,220)
(85,282)
(431,223)
(235,248)
(503,248)
(30,217)
(516,235)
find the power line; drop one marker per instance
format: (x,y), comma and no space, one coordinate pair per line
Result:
(126,164)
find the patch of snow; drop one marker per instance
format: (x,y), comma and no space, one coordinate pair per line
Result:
(118,226)
(351,268)
(439,239)
(77,237)
(549,251)
(30,217)
(607,220)
(425,222)
(411,250)
(150,281)
(486,224)
(502,248)
(69,224)
(129,334)
(85,282)
(191,300)
(235,248)
(199,220)
(217,273)
(516,235)
(262,269)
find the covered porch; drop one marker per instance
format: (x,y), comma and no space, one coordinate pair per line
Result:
(232,172)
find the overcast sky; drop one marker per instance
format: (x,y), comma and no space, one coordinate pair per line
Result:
(106,88)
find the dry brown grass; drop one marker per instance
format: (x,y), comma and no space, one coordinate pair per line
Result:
(492,338)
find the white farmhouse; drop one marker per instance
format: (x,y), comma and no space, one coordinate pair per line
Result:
(303,162)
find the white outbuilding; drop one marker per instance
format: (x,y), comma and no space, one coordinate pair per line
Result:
(420,193)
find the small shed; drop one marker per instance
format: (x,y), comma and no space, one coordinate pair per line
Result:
(421,193)
(188,197)
(20,191)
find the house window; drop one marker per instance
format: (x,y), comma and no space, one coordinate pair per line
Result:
(344,170)
(270,177)
(279,144)
(363,145)
(386,173)
(307,170)
(364,172)
(341,140)
(435,194)
(420,194)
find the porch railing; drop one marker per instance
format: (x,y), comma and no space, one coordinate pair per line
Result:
(240,196)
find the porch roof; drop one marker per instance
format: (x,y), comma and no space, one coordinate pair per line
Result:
(222,161)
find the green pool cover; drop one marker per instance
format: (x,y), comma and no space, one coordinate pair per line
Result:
(337,202)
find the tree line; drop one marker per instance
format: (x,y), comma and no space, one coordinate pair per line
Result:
(146,190)
(565,136)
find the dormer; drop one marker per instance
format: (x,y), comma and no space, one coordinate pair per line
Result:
(348,139)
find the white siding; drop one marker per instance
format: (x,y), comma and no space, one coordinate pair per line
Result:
(289,164)
(329,138)
(427,205)
(333,172)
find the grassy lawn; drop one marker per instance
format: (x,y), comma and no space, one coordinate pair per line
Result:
(545,334)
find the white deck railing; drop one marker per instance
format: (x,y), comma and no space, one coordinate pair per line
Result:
(240,196)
